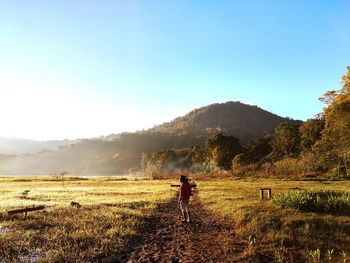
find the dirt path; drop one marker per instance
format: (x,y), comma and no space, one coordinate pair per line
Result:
(167,239)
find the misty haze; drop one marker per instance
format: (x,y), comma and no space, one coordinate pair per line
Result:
(152,131)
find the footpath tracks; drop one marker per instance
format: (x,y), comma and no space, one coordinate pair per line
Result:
(166,239)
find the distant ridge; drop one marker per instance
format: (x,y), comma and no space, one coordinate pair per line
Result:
(20,146)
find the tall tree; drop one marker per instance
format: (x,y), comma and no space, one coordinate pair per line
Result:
(310,133)
(335,142)
(285,141)
(222,149)
(144,160)
(200,159)
(257,149)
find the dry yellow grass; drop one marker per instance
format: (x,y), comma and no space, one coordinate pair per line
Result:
(112,212)
(279,233)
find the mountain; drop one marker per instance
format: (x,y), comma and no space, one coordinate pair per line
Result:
(231,118)
(20,146)
(121,153)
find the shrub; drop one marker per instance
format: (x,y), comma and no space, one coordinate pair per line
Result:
(287,166)
(338,171)
(321,201)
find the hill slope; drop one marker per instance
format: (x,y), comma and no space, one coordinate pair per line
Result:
(231,118)
(116,154)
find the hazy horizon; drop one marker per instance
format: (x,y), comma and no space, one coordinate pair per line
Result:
(88,69)
(104,135)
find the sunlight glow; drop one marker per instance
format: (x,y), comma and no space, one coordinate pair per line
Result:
(89,69)
(40,113)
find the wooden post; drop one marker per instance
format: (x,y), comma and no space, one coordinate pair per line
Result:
(269,193)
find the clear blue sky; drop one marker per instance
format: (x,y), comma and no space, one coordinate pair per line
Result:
(87,68)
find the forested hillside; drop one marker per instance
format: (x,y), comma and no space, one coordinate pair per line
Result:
(317,147)
(116,154)
(231,118)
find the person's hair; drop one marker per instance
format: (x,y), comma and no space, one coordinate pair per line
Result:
(183,178)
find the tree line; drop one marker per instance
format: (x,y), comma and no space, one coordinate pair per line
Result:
(320,144)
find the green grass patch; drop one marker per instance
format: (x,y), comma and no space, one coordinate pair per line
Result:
(318,201)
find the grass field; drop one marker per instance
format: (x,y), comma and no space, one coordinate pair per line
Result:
(286,235)
(111,213)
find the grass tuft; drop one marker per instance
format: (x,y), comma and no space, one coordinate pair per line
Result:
(318,201)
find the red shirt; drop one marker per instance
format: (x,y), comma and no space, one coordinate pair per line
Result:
(185,191)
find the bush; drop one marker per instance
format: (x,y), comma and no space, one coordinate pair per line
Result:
(338,171)
(320,201)
(287,166)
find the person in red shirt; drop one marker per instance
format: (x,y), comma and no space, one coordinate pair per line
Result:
(184,198)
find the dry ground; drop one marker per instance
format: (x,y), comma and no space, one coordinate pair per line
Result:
(166,239)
